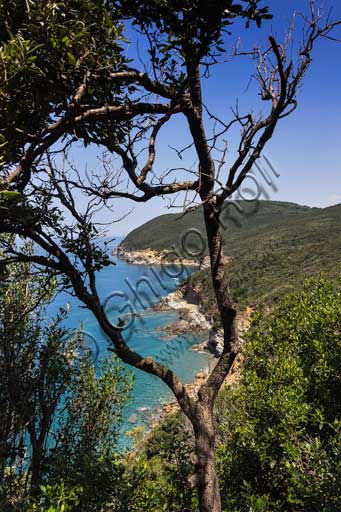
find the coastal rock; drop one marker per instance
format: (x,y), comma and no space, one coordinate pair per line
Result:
(190,316)
(192,319)
(215,343)
(201,375)
(200,347)
(133,418)
(153,257)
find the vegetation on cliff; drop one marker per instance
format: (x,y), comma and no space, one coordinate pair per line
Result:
(239,219)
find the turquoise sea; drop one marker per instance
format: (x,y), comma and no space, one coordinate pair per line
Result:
(129,291)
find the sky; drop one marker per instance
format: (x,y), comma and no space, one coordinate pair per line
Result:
(306,147)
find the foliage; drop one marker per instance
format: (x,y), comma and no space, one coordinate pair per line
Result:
(34,369)
(86,453)
(156,478)
(188,28)
(280,428)
(57,498)
(50,48)
(59,415)
(47,50)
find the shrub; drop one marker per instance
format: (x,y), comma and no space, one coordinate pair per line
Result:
(280,430)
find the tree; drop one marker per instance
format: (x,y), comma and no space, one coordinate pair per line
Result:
(279,430)
(185,40)
(34,371)
(85,454)
(57,414)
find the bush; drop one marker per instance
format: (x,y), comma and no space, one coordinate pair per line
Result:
(157,478)
(57,498)
(280,430)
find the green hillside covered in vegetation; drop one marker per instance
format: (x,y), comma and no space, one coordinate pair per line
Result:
(239,218)
(274,246)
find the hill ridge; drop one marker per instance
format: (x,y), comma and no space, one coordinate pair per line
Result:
(273,249)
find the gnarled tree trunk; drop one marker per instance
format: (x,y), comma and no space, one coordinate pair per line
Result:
(205,478)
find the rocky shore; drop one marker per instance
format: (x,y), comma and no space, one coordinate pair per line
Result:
(193,388)
(153,257)
(191,319)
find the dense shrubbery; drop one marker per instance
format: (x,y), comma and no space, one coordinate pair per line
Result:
(163,467)
(280,430)
(155,475)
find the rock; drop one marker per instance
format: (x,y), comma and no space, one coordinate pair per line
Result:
(201,347)
(201,375)
(133,418)
(205,262)
(190,316)
(215,342)
(152,257)
(192,296)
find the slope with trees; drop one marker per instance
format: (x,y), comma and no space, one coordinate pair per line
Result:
(278,441)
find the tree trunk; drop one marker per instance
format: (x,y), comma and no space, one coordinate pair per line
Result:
(205,478)
(36,469)
(36,459)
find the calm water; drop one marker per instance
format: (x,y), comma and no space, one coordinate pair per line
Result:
(126,288)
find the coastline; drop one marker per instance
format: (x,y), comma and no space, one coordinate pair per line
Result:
(153,257)
(191,319)
(171,407)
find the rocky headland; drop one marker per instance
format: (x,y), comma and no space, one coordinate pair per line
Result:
(187,301)
(154,257)
(191,319)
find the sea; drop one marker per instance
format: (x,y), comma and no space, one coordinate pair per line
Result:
(129,293)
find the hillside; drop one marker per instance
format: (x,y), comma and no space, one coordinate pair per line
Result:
(273,249)
(246,218)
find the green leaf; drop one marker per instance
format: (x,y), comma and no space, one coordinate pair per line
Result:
(9,195)
(72,59)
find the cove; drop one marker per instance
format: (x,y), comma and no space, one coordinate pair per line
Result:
(145,336)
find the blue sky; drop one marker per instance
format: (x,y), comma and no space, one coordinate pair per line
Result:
(306,148)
